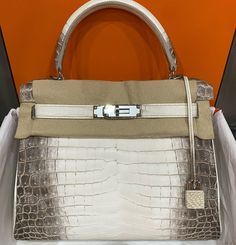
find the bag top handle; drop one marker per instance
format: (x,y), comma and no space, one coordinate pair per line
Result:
(128,5)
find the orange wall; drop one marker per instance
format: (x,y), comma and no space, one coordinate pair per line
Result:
(114,45)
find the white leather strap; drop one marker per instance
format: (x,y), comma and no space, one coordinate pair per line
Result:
(191,131)
(173,110)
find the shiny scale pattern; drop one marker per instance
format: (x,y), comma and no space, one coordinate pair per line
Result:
(113,189)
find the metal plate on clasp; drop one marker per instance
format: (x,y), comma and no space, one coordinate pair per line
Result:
(117,111)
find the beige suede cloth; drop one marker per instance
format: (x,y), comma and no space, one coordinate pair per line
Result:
(74,92)
(80,92)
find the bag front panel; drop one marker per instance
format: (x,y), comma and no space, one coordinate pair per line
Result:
(113,189)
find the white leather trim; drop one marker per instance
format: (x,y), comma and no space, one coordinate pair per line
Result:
(50,111)
(167,110)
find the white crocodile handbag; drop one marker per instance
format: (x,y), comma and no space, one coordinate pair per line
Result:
(129,160)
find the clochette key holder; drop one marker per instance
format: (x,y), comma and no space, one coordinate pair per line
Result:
(129,160)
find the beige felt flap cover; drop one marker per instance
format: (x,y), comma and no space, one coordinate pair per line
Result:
(76,92)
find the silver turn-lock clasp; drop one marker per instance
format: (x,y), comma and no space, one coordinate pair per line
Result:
(117,111)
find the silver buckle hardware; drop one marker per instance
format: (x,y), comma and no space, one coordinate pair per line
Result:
(117,111)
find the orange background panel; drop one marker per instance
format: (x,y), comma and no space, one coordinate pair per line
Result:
(115,45)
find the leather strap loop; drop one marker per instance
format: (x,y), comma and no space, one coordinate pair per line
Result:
(191,132)
(128,5)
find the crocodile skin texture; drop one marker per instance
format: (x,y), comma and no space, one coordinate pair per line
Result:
(26,93)
(204,91)
(113,189)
